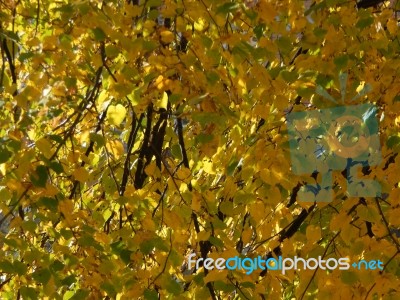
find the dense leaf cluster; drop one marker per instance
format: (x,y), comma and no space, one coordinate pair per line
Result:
(134,133)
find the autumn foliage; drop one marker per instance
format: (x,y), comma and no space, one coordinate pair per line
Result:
(134,133)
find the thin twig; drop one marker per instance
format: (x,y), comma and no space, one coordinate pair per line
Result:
(315,272)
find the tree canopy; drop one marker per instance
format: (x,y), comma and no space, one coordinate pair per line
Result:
(134,133)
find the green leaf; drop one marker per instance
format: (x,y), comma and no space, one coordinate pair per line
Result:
(11,36)
(393,141)
(150,295)
(99,34)
(28,293)
(125,256)
(320,32)
(70,82)
(176,151)
(54,137)
(50,203)
(88,240)
(57,266)
(5,155)
(117,247)
(226,208)
(365,22)
(349,277)
(212,77)
(259,30)
(221,286)
(112,51)
(285,44)
(109,289)
(29,225)
(216,242)
(231,167)
(198,278)
(228,112)
(80,295)
(20,268)
(14,145)
(42,276)
(67,8)
(70,260)
(66,233)
(174,98)
(56,167)
(248,285)
(25,56)
(68,280)
(153,3)
(274,72)
(149,45)
(207,42)
(148,245)
(12,243)
(289,76)
(227,8)
(323,80)
(203,138)
(341,61)
(172,286)
(39,178)
(6,267)
(83,7)
(204,118)
(305,92)
(240,52)
(315,7)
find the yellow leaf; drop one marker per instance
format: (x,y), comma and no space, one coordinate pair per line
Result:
(59,89)
(164,101)
(115,148)
(102,237)
(51,190)
(392,26)
(14,185)
(44,146)
(3,169)
(148,223)
(379,230)
(394,218)
(203,235)
(246,235)
(116,114)
(257,211)
(313,233)
(167,36)
(275,197)
(216,275)
(81,174)
(200,24)
(267,11)
(150,169)
(208,167)
(183,173)
(196,202)
(50,42)
(338,221)
(67,208)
